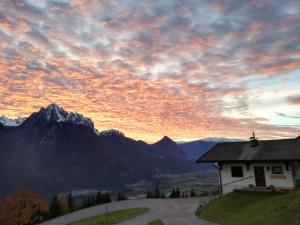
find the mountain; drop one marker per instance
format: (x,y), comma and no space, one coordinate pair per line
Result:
(56,151)
(11,122)
(166,147)
(194,149)
(55,114)
(220,139)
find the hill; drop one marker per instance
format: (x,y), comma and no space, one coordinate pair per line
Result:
(54,150)
(249,208)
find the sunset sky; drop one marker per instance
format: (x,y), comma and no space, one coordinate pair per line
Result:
(188,69)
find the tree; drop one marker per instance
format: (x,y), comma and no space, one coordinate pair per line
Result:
(23,207)
(99,198)
(56,209)
(71,202)
(157,193)
(121,197)
(177,193)
(193,193)
(107,197)
(102,198)
(150,194)
(173,193)
(62,199)
(88,201)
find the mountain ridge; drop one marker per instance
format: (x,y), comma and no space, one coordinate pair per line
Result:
(49,151)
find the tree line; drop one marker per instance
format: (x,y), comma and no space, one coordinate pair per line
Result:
(175,193)
(26,207)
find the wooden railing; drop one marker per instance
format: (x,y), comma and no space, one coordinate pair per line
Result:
(244,178)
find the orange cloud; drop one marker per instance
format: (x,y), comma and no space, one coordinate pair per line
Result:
(148,69)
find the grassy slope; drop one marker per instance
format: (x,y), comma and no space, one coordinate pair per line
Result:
(254,209)
(112,218)
(156,222)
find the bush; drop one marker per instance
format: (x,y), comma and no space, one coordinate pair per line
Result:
(23,207)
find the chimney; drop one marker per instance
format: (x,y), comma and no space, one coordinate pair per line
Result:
(253,140)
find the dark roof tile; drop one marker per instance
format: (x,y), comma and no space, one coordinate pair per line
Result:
(266,150)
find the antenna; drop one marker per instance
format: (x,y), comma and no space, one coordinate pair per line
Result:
(253,136)
(253,140)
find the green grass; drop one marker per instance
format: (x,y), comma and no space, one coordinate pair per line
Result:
(156,222)
(112,217)
(254,208)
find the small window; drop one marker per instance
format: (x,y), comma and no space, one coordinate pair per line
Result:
(237,171)
(277,170)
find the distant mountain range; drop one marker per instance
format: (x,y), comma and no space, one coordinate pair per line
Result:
(55,150)
(194,149)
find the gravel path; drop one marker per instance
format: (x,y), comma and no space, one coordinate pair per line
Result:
(170,211)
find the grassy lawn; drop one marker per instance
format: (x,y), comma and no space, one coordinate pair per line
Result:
(112,217)
(156,222)
(245,208)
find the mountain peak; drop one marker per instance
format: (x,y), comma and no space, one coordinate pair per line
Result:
(53,113)
(53,106)
(166,139)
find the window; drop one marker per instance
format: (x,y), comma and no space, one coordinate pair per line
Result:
(277,170)
(237,171)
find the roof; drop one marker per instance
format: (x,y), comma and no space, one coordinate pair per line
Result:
(266,150)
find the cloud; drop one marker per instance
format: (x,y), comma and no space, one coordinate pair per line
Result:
(288,116)
(295,100)
(186,69)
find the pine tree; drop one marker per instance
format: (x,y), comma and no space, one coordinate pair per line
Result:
(99,198)
(88,201)
(157,193)
(173,194)
(148,194)
(93,199)
(177,193)
(55,208)
(108,197)
(121,197)
(193,193)
(71,202)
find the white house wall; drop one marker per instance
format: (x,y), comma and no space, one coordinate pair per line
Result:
(227,178)
(284,180)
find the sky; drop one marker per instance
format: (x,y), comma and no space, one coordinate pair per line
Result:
(187,69)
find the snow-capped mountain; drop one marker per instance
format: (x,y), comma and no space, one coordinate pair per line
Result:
(220,139)
(11,122)
(57,151)
(55,114)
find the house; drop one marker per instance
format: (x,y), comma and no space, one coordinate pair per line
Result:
(264,163)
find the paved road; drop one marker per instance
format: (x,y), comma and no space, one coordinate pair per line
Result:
(170,211)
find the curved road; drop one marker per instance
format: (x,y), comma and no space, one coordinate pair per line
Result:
(170,211)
